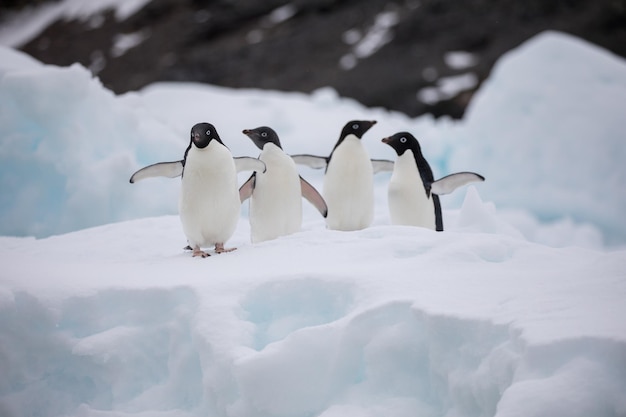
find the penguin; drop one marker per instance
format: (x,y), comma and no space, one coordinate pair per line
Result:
(413,194)
(276,195)
(348,182)
(209,202)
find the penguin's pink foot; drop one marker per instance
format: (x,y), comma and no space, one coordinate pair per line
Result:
(199,252)
(219,248)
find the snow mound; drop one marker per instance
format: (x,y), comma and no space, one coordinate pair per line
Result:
(546,127)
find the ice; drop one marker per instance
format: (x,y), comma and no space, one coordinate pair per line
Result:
(551,113)
(516,309)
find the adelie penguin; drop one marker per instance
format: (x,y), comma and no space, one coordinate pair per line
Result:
(348,182)
(276,194)
(413,194)
(209,202)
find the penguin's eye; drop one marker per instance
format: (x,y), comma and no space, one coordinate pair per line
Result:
(208,132)
(355,126)
(403,139)
(264,134)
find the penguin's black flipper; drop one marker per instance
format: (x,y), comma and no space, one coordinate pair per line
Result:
(161,169)
(310,193)
(312,161)
(382,165)
(245,191)
(451,182)
(247,163)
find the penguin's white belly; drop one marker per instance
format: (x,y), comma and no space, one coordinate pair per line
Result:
(276,202)
(209,200)
(408,203)
(349,187)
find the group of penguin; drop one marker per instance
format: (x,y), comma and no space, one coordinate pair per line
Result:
(210,199)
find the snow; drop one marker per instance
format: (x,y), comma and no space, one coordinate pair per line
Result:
(557,166)
(123,42)
(447,88)
(282,14)
(275,17)
(376,36)
(515,310)
(460,60)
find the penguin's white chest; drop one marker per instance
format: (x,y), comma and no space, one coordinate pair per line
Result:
(349,187)
(408,203)
(209,199)
(276,202)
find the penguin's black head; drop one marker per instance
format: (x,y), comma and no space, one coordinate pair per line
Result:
(402,141)
(203,133)
(262,135)
(357,128)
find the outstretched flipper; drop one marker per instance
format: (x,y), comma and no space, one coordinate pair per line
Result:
(382,165)
(162,169)
(245,191)
(312,161)
(175,169)
(247,163)
(310,193)
(451,182)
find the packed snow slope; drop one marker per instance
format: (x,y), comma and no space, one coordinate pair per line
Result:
(517,309)
(388,321)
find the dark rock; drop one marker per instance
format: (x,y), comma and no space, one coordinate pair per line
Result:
(305,44)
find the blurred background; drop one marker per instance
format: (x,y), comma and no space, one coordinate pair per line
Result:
(414,56)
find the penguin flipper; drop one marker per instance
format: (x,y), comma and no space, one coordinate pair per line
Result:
(160,169)
(382,165)
(312,161)
(451,182)
(246,163)
(310,193)
(245,191)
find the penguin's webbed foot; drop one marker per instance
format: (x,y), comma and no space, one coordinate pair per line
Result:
(199,252)
(219,248)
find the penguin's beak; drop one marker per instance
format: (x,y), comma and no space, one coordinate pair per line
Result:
(386,140)
(371,123)
(246,131)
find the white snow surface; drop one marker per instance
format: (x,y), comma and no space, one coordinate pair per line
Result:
(460,60)
(517,309)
